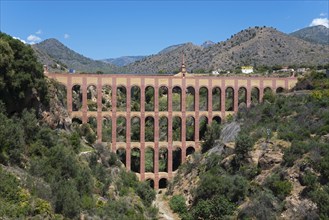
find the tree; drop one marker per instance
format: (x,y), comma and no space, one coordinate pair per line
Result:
(22,81)
(243,144)
(212,134)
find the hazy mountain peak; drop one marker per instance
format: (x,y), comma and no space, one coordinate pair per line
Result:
(53,53)
(316,34)
(207,43)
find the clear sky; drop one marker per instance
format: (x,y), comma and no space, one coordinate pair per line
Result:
(107,29)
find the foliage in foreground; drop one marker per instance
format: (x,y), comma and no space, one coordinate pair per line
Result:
(301,120)
(43,173)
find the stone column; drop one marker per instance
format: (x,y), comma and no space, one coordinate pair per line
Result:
(209,101)
(261,90)
(197,112)
(223,98)
(156,129)
(84,100)
(128,124)
(183,125)
(114,111)
(170,121)
(69,94)
(236,96)
(142,131)
(274,85)
(248,93)
(99,109)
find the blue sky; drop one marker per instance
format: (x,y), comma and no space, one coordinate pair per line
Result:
(104,29)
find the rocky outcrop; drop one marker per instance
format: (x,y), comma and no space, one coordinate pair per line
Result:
(56,116)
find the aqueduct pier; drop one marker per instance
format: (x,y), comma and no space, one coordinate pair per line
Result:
(189,100)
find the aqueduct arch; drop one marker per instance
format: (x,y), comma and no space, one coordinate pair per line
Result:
(152,103)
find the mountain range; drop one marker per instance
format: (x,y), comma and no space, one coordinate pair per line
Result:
(58,57)
(315,34)
(255,46)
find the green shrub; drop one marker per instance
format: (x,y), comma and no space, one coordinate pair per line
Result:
(177,204)
(218,207)
(280,188)
(146,193)
(243,144)
(297,149)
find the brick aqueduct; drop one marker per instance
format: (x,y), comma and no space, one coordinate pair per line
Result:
(208,108)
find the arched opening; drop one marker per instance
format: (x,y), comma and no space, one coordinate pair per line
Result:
(149,160)
(242,94)
(176,99)
(92,98)
(163,98)
(76,122)
(149,98)
(217,119)
(229,99)
(76,98)
(135,124)
(216,99)
(177,129)
(163,126)
(176,158)
(190,150)
(203,122)
(279,90)
(254,95)
(162,183)
(149,129)
(106,129)
(92,121)
(121,153)
(163,159)
(121,99)
(90,135)
(62,94)
(121,129)
(190,128)
(135,160)
(106,98)
(151,183)
(190,99)
(203,100)
(268,94)
(135,99)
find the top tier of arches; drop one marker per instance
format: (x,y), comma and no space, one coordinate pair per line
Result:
(197,93)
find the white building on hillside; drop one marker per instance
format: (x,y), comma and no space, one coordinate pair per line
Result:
(247,69)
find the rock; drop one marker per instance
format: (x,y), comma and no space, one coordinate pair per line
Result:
(229,132)
(226,162)
(297,208)
(217,149)
(269,159)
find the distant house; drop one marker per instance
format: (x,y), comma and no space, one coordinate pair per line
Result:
(286,69)
(247,69)
(301,70)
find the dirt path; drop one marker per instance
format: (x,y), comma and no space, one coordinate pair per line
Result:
(165,213)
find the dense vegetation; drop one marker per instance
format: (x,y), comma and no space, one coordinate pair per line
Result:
(232,184)
(47,173)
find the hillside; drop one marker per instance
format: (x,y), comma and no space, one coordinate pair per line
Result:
(316,34)
(122,61)
(51,167)
(255,46)
(270,162)
(51,52)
